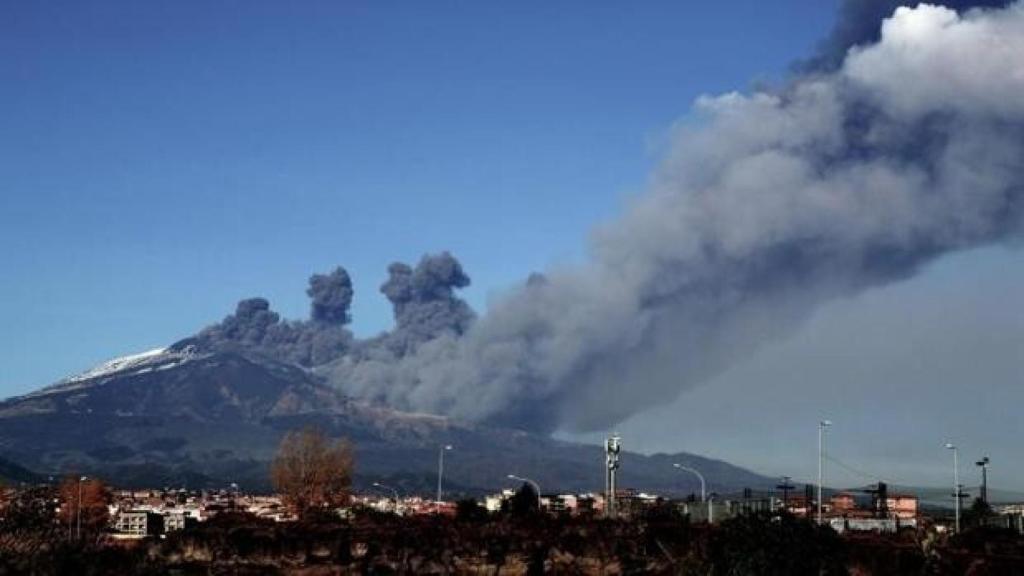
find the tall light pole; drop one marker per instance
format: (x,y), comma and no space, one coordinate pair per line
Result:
(536,487)
(956,482)
(983,464)
(821,460)
(393,491)
(79,522)
(440,474)
(703,485)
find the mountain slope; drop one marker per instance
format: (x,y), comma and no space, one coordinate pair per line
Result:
(181,416)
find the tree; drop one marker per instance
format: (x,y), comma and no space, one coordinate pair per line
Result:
(311,471)
(523,502)
(469,510)
(978,513)
(83,509)
(775,545)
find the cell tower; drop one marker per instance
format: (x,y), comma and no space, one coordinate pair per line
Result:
(611,458)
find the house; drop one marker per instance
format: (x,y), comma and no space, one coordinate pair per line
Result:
(138,524)
(180,519)
(902,506)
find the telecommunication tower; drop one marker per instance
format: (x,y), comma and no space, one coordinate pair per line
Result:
(611,458)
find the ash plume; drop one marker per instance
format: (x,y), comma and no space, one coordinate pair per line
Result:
(860,23)
(766,206)
(425,308)
(254,326)
(427,314)
(331,296)
(424,301)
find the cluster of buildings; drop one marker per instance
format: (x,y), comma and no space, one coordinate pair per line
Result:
(876,510)
(136,514)
(141,513)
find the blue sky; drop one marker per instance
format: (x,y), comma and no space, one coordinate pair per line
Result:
(158,162)
(163,160)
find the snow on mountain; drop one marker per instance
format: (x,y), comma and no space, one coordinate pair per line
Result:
(151,360)
(118,364)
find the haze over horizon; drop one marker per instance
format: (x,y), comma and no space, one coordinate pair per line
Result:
(154,182)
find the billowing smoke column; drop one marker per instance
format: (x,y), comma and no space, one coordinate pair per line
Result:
(424,300)
(254,326)
(428,317)
(331,295)
(766,206)
(425,307)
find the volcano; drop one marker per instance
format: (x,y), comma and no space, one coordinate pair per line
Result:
(184,416)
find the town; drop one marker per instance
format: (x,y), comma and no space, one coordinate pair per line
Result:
(84,519)
(135,514)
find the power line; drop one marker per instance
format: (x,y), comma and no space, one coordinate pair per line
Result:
(866,475)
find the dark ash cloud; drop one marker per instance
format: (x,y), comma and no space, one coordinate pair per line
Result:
(255,327)
(424,301)
(331,296)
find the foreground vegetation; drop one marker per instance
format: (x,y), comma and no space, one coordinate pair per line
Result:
(63,529)
(513,542)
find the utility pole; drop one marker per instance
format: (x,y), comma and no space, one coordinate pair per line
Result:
(821,460)
(785,487)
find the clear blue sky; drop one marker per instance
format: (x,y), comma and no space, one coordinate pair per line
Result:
(160,161)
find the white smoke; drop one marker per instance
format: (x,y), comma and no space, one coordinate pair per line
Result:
(767,205)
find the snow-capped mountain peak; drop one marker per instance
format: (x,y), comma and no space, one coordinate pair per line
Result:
(151,360)
(118,365)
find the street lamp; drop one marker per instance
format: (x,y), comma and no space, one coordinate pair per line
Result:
(536,487)
(703,485)
(956,482)
(440,473)
(821,460)
(393,491)
(79,522)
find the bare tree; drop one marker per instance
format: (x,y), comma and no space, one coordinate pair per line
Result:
(311,471)
(83,509)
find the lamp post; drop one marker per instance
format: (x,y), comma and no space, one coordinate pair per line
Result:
(78,530)
(536,487)
(703,485)
(821,460)
(393,491)
(440,474)
(956,482)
